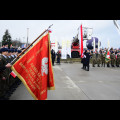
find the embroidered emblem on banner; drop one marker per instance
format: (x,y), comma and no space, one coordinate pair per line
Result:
(44,66)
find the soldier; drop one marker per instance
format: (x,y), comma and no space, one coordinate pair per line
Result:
(18,81)
(93,59)
(84,60)
(19,51)
(87,59)
(112,57)
(9,60)
(58,57)
(4,72)
(53,56)
(5,45)
(12,54)
(98,60)
(103,58)
(16,52)
(118,59)
(11,78)
(9,55)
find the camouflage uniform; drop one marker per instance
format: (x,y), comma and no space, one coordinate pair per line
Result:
(93,59)
(102,59)
(98,59)
(112,57)
(118,60)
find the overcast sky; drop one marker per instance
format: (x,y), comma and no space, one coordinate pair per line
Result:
(61,29)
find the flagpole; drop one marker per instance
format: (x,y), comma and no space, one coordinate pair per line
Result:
(30,45)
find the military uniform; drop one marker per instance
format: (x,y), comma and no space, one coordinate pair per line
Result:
(3,74)
(102,59)
(118,59)
(11,78)
(9,69)
(93,59)
(112,57)
(98,59)
(17,80)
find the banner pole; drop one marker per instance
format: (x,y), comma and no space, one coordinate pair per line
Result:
(29,45)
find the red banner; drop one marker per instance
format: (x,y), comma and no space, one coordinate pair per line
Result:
(34,69)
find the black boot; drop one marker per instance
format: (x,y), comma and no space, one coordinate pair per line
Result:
(87,68)
(98,65)
(93,65)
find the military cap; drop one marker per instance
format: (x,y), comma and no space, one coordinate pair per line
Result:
(4,49)
(15,50)
(12,50)
(9,50)
(19,51)
(5,43)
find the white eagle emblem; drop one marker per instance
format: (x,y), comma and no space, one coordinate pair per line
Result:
(44,67)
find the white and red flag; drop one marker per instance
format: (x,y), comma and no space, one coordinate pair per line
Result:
(13,74)
(107,56)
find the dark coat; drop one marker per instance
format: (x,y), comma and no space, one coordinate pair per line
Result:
(87,59)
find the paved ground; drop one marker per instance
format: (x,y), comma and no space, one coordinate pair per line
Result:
(73,83)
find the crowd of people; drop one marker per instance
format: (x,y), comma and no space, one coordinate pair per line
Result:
(7,82)
(99,58)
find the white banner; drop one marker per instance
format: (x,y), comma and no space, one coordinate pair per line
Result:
(64,52)
(98,45)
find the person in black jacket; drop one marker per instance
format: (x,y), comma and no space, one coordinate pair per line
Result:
(87,60)
(2,66)
(53,56)
(83,60)
(58,57)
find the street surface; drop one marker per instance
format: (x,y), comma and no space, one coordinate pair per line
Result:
(73,83)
